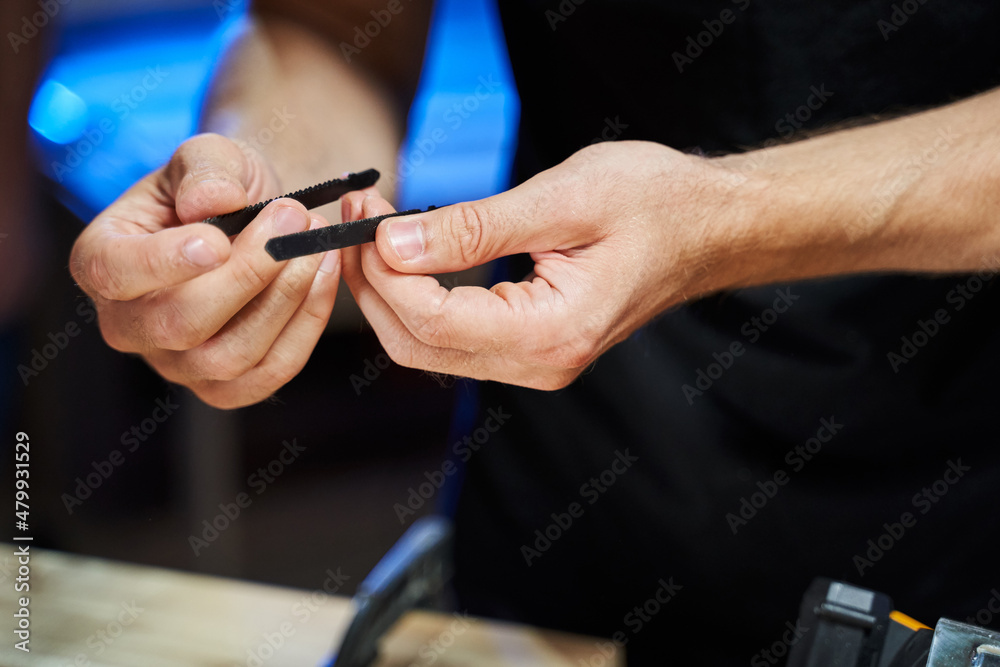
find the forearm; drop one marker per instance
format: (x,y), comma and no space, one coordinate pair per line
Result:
(290,95)
(918,193)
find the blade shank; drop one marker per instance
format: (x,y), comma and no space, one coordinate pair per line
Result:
(344,235)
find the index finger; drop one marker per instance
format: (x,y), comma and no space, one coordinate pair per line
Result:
(120,266)
(141,244)
(475,319)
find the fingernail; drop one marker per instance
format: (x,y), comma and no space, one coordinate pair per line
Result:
(407,238)
(329,262)
(288,220)
(198,252)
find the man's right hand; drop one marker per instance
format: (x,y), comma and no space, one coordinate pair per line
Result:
(223,319)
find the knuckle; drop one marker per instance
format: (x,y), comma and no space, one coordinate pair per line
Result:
(437,331)
(103,281)
(205,156)
(316,314)
(466,229)
(152,265)
(291,286)
(78,266)
(277,374)
(573,350)
(172,367)
(116,339)
(432,326)
(249,277)
(432,330)
(220,361)
(158,331)
(168,328)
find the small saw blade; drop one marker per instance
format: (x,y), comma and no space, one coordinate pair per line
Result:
(343,235)
(317,195)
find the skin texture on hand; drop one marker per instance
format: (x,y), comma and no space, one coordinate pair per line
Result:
(619,232)
(610,253)
(223,319)
(622,231)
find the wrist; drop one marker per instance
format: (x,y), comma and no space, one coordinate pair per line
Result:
(742,242)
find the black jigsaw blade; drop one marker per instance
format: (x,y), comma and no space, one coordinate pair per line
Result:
(333,237)
(311,197)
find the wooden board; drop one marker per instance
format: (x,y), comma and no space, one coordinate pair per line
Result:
(87,612)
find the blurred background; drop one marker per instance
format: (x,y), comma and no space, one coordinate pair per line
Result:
(126,466)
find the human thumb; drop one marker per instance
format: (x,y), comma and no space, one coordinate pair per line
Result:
(461,236)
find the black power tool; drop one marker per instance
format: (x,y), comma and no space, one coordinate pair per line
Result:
(856,627)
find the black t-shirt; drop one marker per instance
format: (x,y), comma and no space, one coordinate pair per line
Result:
(742,444)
